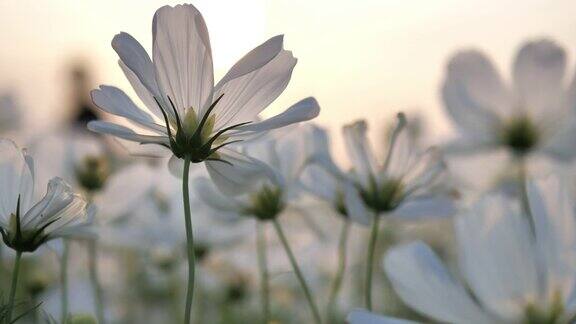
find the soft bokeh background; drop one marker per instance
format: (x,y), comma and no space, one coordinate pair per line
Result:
(361,59)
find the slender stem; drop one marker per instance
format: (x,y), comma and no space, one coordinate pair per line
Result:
(189,241)
(339,277)
(523,192)
(14,285)
(296,268)
(264,275)
(370,263)
(64,281)
(94,279)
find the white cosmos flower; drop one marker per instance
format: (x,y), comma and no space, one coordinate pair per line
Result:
(185,112)
(278,162)
(512,273)
(324,179)
(399,185)
(534,115)
(26,224)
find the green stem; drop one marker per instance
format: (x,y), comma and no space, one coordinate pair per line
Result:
(370,263)
(189,241)
(94,279)
(14,285)
(264,275)
(339,277)
(64,281)
(296,268)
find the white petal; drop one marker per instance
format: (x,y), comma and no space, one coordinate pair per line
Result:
(423,208)
(303,110)
(16,179)
(244,175)
(253,83)
(538,78)
(359,151)
(182,56)
(320,182)
(423,283)
(115,101)
(61,208)
(360,316)
(137,60)
(124,190)
(355,206)
(497,256)
(209,195)
(145,96)
(126,133)
(474,94)
(553,210)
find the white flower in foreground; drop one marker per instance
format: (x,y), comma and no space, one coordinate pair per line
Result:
(399,185)
(512,273)
(534,115)
(25,224)
(185,112)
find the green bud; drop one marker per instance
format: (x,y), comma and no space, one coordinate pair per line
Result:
(267,203)
(383,197)
(92,173)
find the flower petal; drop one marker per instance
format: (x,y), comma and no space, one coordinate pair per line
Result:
(538,78)
(474,95)
(61,208)
(182,56)
(423,283)
(115,101)
(209,195)
(555,223)
(303,110)
(137,60)
(360,316)
(104,127)
(422,208)
(355,206)
(126,188)
(243,175)
(359,151)
(497,256)
(253,83)
(16,179)
(143,93)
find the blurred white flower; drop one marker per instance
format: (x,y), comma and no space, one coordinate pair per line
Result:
(400,184)
(186,112)
(277,162)
(519,268)
(26,225)
(532,116)
(324,179)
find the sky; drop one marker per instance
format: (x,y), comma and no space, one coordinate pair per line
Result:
(360,59)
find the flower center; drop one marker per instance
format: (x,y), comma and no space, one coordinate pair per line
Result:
(551,315)
(267,203)
(383,197)
(520,135)
(92,173)
(196,138)
(340,204)
(23,239)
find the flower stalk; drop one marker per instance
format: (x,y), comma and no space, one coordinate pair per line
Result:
(94,279)
(370,262)
(339,277)
(264,274)
(298,272)
(64,281)
(13,287)
(189,240)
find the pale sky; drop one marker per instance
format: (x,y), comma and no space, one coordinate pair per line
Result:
(360,59)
